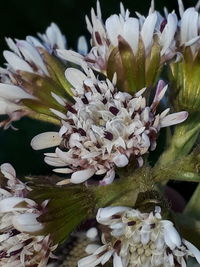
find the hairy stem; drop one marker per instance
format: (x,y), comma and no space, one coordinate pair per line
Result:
(182,141)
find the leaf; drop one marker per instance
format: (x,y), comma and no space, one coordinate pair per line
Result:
(140,66)
(70,205)
(193,207)
(153,65)
(67,208)
(189,228)
(185,77)
(57,70)
(38,107)
(173,165)
(129,65)
(114,65)
(38,84)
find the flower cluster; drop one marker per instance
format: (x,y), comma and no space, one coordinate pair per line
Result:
(36,65)
(169,33)
(104,129)
(21,240)
(29,74)
(151,36)
(138,239)
(135,48)
(109,106)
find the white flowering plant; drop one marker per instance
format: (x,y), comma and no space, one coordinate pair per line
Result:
(109,101)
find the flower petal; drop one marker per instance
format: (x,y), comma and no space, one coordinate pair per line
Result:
(173,119)
(82,45)
(148,30)
(8,204)
(82,176)
(27,222)
(104,214)
(120,160)
(117,261)
(8,170)
(195,251)
(75,77)
(16,62)
(46,140)
(13,93)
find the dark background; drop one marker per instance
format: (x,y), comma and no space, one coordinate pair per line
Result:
(19,18)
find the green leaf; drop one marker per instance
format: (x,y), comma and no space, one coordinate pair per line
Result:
(140,66)
(114,65)
(40,85)
(57,70)
(67,208)
(193,207)
(189,228)
(185,78)
(129,65)
(38,107)
(153,65)
(186,168)
(70,205)
(183,140)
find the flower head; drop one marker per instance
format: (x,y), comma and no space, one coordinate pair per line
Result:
(185,71)
(32,72)
(22,242)
(104,129)
(139,239)
(188,33)
(134,48)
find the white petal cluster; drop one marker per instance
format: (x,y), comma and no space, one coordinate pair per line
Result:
(189,28)
(25,55)
(105,36)
(171,34)
(19,244)
(104,129)
(184,32)
(133,238)
(52,39)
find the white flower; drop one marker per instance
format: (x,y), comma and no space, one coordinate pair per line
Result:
(53,39)
(105,36)
(26,61)
(21,240)
(189,29)
(138,239)
(168,29)
(104,129)
(188,33)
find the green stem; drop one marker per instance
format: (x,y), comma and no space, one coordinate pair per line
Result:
(185,169)
(184,138)
(166,174)
(124,191)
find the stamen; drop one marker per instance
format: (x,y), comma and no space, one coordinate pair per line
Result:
(114,110)
(108,135)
